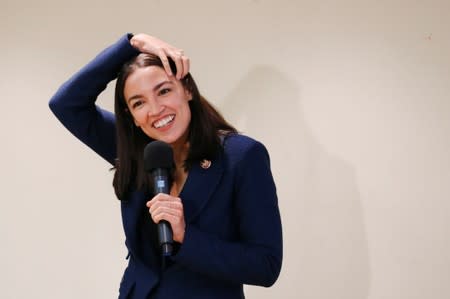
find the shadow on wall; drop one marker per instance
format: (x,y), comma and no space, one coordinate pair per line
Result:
(325,247)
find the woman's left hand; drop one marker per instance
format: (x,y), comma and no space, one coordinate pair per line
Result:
(169,208)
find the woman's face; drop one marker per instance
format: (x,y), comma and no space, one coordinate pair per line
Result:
(158,104)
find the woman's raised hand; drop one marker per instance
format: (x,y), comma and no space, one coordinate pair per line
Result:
(153,45)
(169,208)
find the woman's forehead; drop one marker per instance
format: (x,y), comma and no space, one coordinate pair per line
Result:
(147,79)
(148,73)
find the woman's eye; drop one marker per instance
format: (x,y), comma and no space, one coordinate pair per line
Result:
(164,91)
(136,104)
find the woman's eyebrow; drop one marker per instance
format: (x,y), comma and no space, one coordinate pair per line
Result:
(157,86)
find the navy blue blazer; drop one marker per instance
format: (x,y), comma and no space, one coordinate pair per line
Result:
(233,227)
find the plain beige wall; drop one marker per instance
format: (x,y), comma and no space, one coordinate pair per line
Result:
(352,98)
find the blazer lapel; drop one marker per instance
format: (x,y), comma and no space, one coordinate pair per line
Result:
(200,186)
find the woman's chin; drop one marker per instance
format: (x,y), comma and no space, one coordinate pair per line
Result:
(172,138)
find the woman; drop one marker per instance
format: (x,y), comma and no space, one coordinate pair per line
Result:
(222,205)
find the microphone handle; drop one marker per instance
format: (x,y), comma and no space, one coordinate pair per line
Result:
(161,185)
(165,237)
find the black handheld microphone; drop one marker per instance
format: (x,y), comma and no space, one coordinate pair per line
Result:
(158,161)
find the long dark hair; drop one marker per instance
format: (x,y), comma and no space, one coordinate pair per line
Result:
(205,128)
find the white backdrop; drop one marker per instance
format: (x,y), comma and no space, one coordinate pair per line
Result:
(352,99)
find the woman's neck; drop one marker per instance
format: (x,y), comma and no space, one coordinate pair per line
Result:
(180,153)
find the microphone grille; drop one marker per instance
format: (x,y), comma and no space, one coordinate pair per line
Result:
(158,154)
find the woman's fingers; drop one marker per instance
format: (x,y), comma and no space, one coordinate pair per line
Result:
(176,56)
(165,61)
(153,45)
(175,208)
(182,63)
(174,220)
(162,197)
(186,65)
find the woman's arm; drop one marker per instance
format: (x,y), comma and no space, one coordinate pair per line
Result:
(74,102)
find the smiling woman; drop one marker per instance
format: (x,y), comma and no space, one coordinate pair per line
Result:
(222,206)
(148,97)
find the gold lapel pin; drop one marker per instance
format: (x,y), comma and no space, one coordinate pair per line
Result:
(205,164)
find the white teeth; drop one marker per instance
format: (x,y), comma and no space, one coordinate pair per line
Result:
(163,122)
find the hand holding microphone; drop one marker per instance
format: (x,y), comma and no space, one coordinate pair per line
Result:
(170,209)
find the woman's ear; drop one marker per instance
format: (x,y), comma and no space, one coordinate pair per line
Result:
(188,94)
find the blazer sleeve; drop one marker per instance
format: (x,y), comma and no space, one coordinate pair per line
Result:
(74,102)
(257,257)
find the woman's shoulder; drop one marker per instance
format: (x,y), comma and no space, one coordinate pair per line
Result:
(237,146)
(239,140)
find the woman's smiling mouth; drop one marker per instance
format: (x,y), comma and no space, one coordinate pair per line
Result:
(164,121)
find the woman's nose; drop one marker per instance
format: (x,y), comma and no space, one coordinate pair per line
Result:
(155,108)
